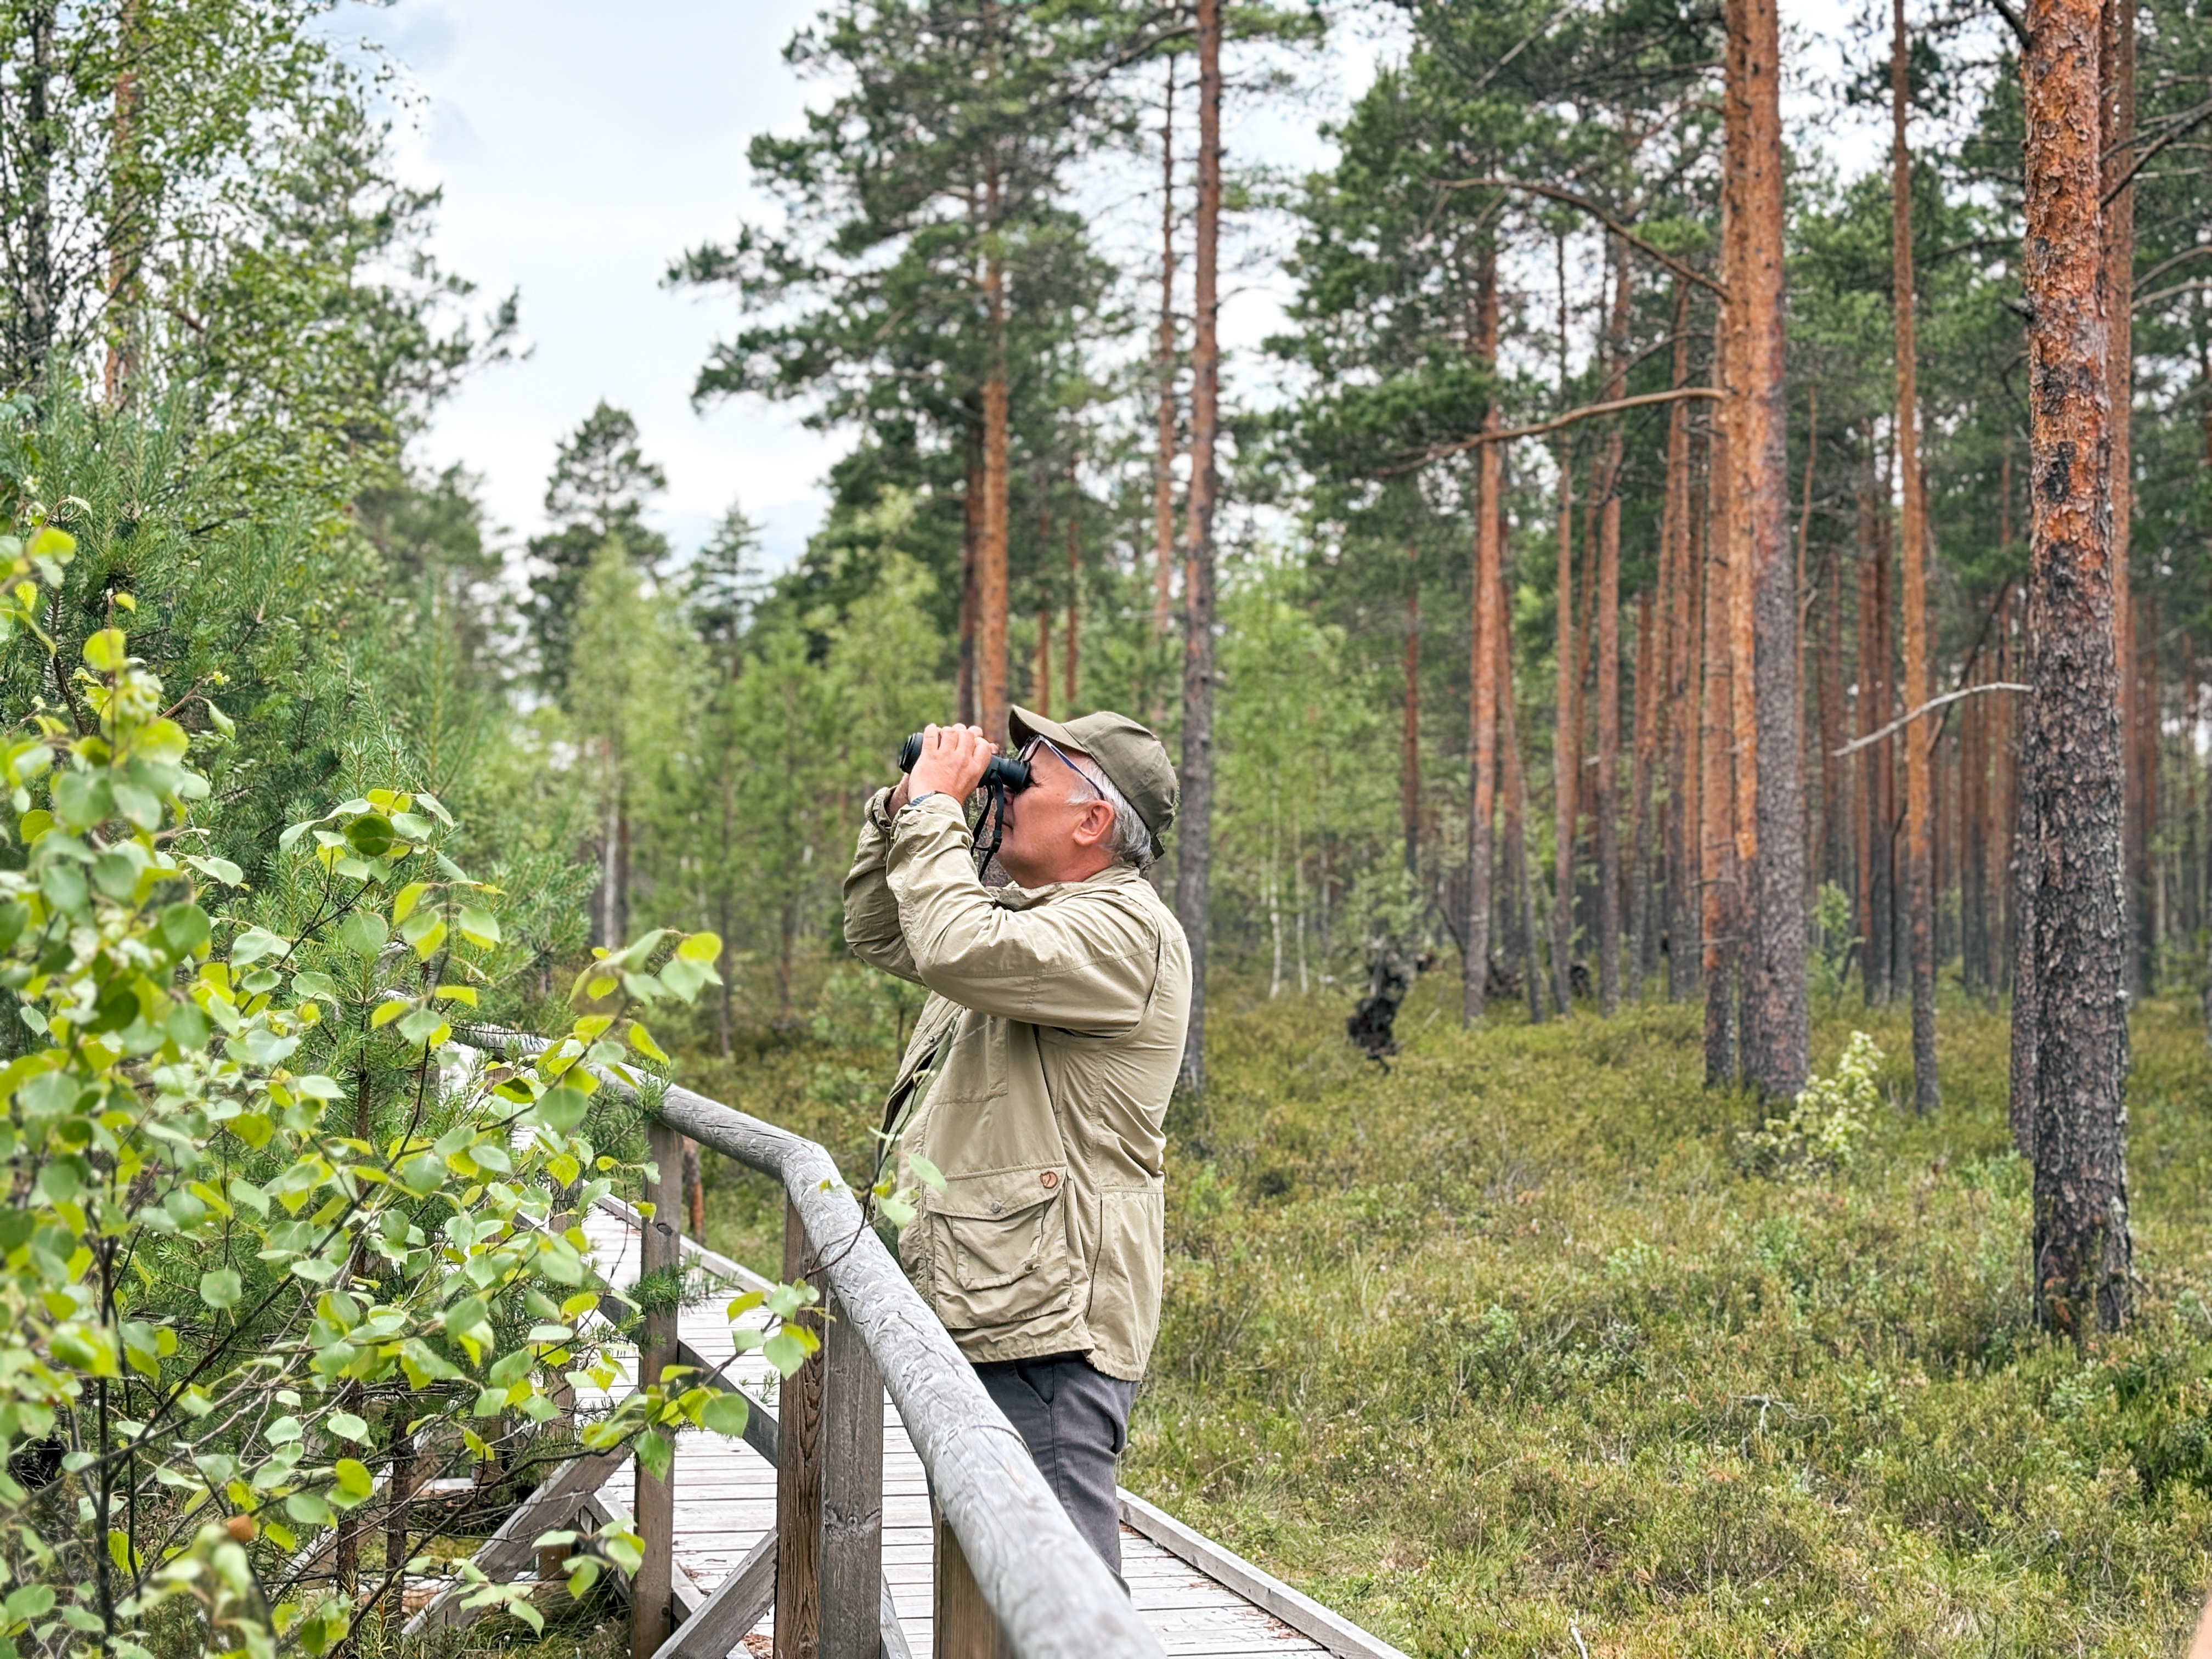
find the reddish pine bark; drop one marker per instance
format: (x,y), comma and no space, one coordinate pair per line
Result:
(1777,1036)
(2071,750)
(1919,876)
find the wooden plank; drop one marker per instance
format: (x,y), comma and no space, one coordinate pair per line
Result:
(659,1248)
(721,1267)
(1049,1589)
(760,1423)
(852,1546)
(506,1553)
(963,1624)
(733,1608)
(1334,1633)
(798,1482)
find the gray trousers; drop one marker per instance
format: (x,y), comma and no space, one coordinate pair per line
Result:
(1076,1421)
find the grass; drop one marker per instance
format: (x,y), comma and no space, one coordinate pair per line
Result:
(1511,1344)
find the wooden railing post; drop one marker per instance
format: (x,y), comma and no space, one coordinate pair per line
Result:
(964,1625)
(799,1471)
(660,1246)
(852,1565)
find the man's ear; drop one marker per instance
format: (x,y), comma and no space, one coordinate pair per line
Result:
(1095,825)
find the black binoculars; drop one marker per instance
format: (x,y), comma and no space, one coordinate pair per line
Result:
(1004,772)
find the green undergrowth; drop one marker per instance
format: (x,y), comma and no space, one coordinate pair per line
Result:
(1515,1337)
(1519,1339)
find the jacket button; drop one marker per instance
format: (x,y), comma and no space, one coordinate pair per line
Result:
(996,1207)
(1048,1179)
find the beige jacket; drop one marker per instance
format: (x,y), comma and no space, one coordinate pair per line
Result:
(1067,1007)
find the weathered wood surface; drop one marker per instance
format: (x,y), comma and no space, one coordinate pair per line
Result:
(661,1249)
(798,1483)
(1054,1596)
(1190,1599)
(852,1537)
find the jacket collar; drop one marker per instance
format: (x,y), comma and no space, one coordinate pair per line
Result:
(1116,875)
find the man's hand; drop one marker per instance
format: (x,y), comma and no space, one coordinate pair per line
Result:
(953,758)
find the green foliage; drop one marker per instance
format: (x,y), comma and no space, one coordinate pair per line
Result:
(229,1242)
(1508,1338)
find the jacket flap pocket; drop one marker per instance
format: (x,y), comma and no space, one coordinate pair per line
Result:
(998,1193)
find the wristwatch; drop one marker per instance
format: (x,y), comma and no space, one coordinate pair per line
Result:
(916,800)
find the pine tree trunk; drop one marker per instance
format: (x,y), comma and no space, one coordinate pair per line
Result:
(1717,864)
(2072,747)
(2116,48)
(2151,902)
(1486,634)
(1068,666)
(1835,816)
(1804,599)
(1682,647)
(1777,1034)
(971,541)
(1164,371)
(1514,788)
(1876,710)
(1919,878)
(991,589)
(1606,798)
(1043,672)
(1567,759)
(1194,858)
(1973,839)
(1409,770)
(1640,931)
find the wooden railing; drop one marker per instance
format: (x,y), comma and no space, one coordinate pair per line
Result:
(1014,1577)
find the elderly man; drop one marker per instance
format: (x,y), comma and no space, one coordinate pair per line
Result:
(1039,1072)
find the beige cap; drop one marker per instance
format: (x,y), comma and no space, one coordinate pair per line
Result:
(1129,754)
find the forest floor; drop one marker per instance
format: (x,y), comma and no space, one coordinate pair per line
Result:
(1511,1342)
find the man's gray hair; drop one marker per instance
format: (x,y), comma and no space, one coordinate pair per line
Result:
(1131,843)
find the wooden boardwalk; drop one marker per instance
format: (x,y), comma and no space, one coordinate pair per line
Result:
(1198,1598)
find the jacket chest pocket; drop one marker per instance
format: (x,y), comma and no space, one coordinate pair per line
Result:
(1001,1247)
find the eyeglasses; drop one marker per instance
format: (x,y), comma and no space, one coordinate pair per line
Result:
(1029,756)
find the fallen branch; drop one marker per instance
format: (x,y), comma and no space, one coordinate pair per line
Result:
(1641,401)
(1932,704)
(1576,200)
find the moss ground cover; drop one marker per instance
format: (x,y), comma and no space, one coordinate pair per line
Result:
(1516,1336)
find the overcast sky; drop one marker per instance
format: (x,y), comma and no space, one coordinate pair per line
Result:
(582,146)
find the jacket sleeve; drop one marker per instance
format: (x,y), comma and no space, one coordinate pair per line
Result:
(1082,964)
(871,915)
